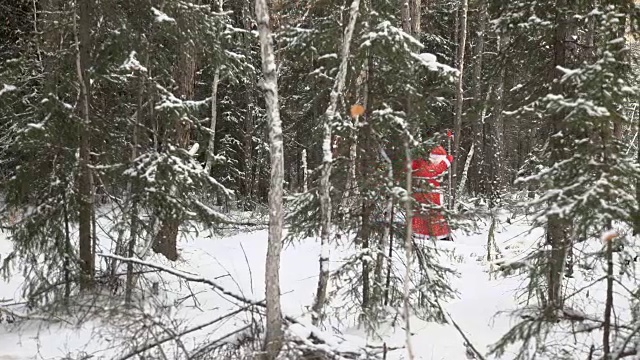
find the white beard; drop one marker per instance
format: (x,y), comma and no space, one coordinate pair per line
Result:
(437,159)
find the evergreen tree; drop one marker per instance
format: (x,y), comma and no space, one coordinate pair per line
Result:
(585,181)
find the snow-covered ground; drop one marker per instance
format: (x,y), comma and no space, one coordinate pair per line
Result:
(237,263)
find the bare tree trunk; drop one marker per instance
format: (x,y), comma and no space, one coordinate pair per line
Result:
(132,197)
(85,191)
(327,159)
(617,122)
(305,171)
(388,216)
(408,243)
(636,228)
(606,332)
(212,125)
(477,183)
(467,163)
(167,237)
(274,332)
(416,16)
(459,95)
(405,12)
(351,190)
(496,139)
(351,194)
(556,226)
(246,180)
(214,113)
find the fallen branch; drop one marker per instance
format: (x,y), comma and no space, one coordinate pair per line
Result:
(468,342)
(315,336)
(182,333)
(4,311)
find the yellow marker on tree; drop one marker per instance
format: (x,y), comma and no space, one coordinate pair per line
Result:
(357,110)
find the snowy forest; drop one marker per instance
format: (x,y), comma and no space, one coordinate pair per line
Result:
(317,179)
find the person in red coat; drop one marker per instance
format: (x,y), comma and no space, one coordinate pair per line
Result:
(427,175)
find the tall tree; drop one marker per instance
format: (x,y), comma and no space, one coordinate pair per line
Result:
(85,193)
(325,182)
(274,333)
(459,96)
(581,170)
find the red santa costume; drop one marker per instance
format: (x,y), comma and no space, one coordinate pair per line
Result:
(427,173)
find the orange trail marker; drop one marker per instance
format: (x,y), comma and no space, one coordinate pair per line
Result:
(357,110)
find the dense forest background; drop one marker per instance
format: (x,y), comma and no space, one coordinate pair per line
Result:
(158,116)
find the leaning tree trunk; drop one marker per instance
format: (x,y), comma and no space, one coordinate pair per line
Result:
(459,96)
(274,332)
(327,159)
(85,187)
(167,237)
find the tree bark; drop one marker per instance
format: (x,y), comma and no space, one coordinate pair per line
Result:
(405,12)
(132,190)
(274,333)
(85,188)
(408,243)
(606,333)
(212,125)
(387,232)
(167,237)
(327,159)
(556,226)
(305,171)
(459,95)
(496,138)
(248,124)
(416,16)
(477,183)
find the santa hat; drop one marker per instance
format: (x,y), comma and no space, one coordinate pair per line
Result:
(438,154)
(439,150)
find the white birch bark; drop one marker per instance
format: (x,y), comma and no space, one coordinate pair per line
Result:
(465,172)
(214,113)
(459,94)
(325,185)
(214,117)
(388,214)
(274,332)
(305,171)
(351,191)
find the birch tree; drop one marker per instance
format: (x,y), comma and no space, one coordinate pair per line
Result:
(214,112)
(214,118)
(274,332)
(325,177)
